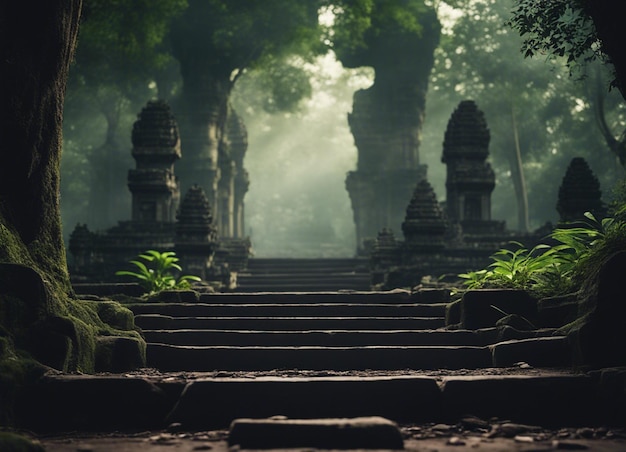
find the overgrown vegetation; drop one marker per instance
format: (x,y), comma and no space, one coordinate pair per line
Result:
(158,272)
(575,251)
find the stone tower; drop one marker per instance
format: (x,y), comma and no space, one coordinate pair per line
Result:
(424,226)
(195,239)
(156,146)
(470,178)
(579,192)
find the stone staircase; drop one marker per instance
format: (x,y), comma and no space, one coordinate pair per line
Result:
(327,355)
(325,331)
(304,275)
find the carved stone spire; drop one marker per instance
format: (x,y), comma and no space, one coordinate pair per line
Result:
(579,192)
(424,226)
(470,179)
(156,146)
(196,236)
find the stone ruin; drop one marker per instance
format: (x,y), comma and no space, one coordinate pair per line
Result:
(455,237)
(579,193)
(159,221)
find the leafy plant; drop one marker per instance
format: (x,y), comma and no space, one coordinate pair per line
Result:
(157,273)
(552,269)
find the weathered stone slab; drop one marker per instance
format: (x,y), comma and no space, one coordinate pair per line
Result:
(217,402)
(431,295)
(477,311)
(543,400)
(612,394)
(334,338)
(290,309)
(354,433)
(538,352)
(158,322)
(194,358)
(554,312)
(599,336)
(392,296)
(91,403)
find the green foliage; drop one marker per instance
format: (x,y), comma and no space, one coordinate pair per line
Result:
(553,269)
(156,274)
(361,26)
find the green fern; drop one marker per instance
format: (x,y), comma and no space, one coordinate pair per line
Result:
(157,273)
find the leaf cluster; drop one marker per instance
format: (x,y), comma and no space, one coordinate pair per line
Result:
(554,269)
(156,273)
(556,28)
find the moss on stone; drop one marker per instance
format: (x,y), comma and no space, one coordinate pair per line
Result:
(45,307)
(16,371)
(115,315)
(17,443)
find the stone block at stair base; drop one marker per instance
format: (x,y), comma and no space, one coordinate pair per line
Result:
(119,354)
(550,401)
(538,352)
(91,403)
(477,307)
(217,402)
(612,395)
(355,433)
(175,358)
(554,312)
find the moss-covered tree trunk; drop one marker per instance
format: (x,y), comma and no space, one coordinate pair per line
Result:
(38,311)
(37,43)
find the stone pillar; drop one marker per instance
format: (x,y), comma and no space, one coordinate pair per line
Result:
(386,122)
(238,138)
(226,198)
(579,193)
(196,236)
(156,146)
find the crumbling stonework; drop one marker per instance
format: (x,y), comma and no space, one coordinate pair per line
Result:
(157,222)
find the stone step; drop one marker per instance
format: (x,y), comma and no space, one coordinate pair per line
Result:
(333,338)
(376,297)
(57,402)
(164,322)
(294,265)
(295,278)
(256,358)
(290,310)
(321,286)
(535,400)
(314,275)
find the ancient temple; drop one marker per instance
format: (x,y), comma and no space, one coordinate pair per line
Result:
(156,146)
(458,236)
(157,221)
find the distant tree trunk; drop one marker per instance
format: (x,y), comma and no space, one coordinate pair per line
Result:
(201,111)
(108,196)
(517,174)
(596,94)
(37,40)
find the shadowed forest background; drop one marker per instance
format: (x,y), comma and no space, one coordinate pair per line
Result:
(295,105)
